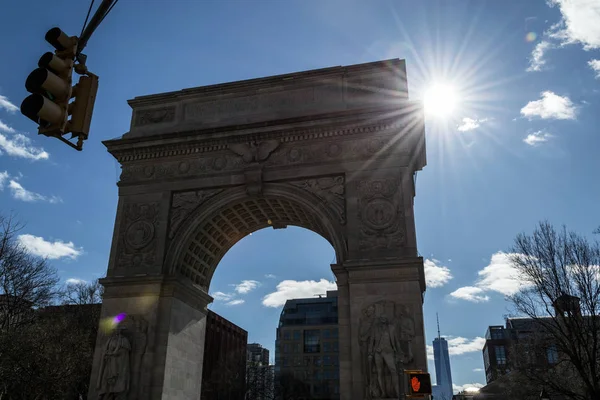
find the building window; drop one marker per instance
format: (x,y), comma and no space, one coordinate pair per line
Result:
(307,360)
(325,333)
(500,355)
(334,332)
(296,347)
(297,362)
(317,361)
(335,360)
(486,358)
(317,375)
(286,348)
(286,361)
(297,335)
(312,339)
(335,347)
(552,355)
(326,347)
(326,360)
(287,335)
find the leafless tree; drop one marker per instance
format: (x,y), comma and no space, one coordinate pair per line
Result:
(26,282)
(560,272)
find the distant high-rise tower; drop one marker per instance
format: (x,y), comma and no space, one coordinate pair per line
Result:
(443,374)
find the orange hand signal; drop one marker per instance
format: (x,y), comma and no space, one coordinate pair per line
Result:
(415,383)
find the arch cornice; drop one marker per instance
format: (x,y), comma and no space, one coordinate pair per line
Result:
(325,222)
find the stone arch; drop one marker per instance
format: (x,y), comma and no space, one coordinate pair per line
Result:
(216,225)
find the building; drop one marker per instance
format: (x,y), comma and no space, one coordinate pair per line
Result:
(443,374)
(260,378)
(257,354)
(224,365)
(307,349)
(521,332)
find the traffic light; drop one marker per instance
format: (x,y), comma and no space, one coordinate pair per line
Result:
(419,384)
(50,103)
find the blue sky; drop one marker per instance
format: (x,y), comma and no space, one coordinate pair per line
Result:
(521,144)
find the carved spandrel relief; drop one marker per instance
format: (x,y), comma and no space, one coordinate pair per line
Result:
(330,190)
(137,244)
(184,204)
(155,116)
(122,358)
(381,214)
(386,333)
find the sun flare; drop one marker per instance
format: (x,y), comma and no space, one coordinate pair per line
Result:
(441,100)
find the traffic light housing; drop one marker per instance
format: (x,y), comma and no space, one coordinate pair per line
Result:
(419,384)
(50,103)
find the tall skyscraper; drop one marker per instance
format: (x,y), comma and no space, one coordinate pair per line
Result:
(443,375)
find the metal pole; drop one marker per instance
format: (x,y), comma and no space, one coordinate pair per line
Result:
(93,24)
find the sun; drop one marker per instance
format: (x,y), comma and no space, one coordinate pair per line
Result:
(441,100)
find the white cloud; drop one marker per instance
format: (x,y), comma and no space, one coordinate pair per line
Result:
(430,352)
(235,302)
(19,146)
(537,62)
(220,296)
(7,105)
(20,193)
(550,106)
(470,293)
(579,23)
(290,289)
(75,281)
(3,178)
(436,275)
(468,124)
(246,286)
(537,138)
(469,387)
(498,276)
(6,128)
(52,250)
(595,65)
(270,276)
(478,370)
(459,345)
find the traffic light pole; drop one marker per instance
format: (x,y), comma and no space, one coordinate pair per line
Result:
(98,16)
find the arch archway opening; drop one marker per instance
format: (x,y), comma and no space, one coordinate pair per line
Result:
(211,234)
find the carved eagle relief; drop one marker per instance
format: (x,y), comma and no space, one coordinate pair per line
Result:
(254,152)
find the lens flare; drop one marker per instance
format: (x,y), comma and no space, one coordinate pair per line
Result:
(530,37)
(108,324)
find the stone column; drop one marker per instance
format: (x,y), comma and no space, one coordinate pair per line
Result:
(381,287)
(163,320)
(381,326)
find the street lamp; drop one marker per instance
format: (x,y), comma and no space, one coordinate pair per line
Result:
(544,395)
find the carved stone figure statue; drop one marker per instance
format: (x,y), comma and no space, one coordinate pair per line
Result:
(365,328)
(386,331)
(114,378)
(387,353)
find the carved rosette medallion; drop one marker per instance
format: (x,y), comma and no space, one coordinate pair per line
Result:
(184,204)
(386,331)
(330,190)
(137,247)
(381,214)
